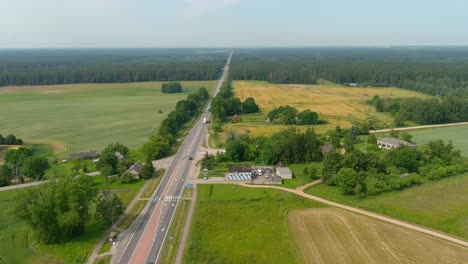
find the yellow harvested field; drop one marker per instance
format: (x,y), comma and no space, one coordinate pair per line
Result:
(331,235)
(338,105)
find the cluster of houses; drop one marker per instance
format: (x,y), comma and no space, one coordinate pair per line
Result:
(134,170)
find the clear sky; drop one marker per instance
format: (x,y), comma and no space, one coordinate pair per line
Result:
(231,23)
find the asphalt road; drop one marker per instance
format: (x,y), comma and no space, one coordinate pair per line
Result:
(146,238)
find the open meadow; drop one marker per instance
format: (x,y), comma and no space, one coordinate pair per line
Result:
(338,105)
(234,224)
(15,235)
(440,205)
(331,235)
(82,117)
(457,134)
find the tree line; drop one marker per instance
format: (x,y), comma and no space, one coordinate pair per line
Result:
(424,111)
(10,140)
(161,142)
(171,87)
(44,67)
(288,115)
(436,71)
(225,104)
(21,163)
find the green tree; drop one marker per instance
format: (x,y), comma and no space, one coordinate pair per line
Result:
(76,165)
(57,211)
(108,205)
(371,139)
(406,136)
(331,165)
(249,106)
(347,180)
(107,160)
(404,157)
(148,170)
(208,161)
(35,167)
(5,175)
(126,177)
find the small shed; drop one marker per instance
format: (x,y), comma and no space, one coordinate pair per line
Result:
(112,236)
(326,149)
(84,155)
(284,172)
(135,170)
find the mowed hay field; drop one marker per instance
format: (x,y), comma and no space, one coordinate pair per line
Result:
(440,205)
(331,235)
(81,117)
(234,224)
(336,104)
(457,134)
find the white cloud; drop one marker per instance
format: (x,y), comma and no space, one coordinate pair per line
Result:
(194,8)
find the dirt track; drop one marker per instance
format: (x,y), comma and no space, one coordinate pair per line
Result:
(418,127)
(331,235)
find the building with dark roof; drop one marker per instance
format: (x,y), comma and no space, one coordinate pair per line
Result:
(84,155)
(135,170)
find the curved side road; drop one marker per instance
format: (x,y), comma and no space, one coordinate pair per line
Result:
(367,213)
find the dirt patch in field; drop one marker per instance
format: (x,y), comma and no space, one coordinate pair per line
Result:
(332,235)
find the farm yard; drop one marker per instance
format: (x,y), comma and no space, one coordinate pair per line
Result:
(234,224)
(338,105)
(440,205)
(82,117)
(330,235)
(456,134)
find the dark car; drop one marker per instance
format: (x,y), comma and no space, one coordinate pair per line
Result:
(190,158)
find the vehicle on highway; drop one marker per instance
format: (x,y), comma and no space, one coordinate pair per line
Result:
(190,158)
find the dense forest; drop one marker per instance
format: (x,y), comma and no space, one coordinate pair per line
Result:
(28,67)
(434,70)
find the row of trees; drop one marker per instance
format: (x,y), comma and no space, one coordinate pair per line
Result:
(160,143)
(226,104)
(10,140)
(287,146)
(21,163)
(171,87)
(368,173)
(429,70)
(288,115)
(424,111)
(106,66)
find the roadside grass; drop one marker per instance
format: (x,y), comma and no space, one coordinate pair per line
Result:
(103,260)
(83,117)
(299,178)
(171,245)
(134,212)
(234,224)
(105,247)
(153,183)
(456,134)
(440,205)
(338,105)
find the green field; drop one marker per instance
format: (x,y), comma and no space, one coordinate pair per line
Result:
(81,117)
(440,205)
(234,224)
(75,251)
(457,134)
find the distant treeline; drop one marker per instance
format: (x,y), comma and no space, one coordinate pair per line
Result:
(31,67)
(10,140)
(172,87)
(437,71)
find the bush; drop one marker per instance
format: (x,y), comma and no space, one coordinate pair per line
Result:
(171,87)
(126,177)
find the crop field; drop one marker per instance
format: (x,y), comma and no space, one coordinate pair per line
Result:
(234,224)
(338,105)
(456,134)
(440,205)
(82,117)
(331,235)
